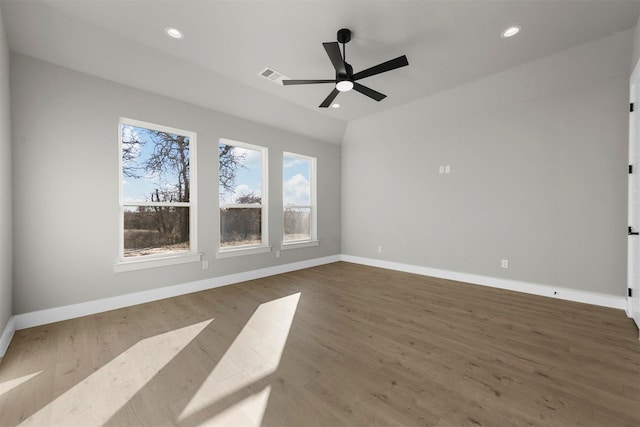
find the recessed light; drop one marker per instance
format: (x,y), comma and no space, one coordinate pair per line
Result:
(336,105)
(174,33)
(510,32)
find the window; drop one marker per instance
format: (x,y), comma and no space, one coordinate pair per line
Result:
(299,198)
(157,188)
(243,197)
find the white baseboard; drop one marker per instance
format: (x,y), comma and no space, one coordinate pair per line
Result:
(56,314)
(6,336)
(604,300)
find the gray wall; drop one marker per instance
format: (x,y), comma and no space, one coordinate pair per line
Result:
(636,46)
(538,156)
(66,186)
(6,245)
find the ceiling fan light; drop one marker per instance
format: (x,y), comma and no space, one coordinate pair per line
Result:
(344,85)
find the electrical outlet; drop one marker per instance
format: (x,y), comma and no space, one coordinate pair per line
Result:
(379,249)
(504,263)
(440,169)
(205,264)
(447,169)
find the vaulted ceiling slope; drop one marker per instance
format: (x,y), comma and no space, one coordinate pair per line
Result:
(227,44)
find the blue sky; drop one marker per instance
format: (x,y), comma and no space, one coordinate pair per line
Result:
(139,189)
(295,181)
(248,179)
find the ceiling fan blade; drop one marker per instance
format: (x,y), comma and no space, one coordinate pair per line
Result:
(306,82)
(392,64)
(329,99)
(369,92)
(333,50)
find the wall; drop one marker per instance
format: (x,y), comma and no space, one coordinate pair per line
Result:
(6,244)
(65,127)
(538,174)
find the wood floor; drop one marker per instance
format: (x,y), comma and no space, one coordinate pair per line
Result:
(340,344)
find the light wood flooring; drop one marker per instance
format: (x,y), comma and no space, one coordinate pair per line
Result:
(340,344)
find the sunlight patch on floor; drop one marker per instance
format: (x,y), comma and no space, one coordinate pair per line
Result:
(252,357)
(99,396)
(10,384)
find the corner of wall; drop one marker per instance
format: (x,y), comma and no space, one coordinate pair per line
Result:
(7,334)
(6,198)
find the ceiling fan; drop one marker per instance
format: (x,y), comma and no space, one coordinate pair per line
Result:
(345,78)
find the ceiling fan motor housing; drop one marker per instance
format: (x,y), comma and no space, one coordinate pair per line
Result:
(344,35)
(347,76)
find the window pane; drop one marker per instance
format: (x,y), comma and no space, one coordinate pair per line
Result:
(154,230)
(297,224)
(240,175)
(155,165)
(240,226)
(296,183)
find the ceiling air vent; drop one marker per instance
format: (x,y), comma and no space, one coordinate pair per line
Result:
(273,76)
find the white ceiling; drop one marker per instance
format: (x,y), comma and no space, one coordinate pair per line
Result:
(227,43)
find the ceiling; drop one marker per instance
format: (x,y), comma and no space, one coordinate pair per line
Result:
(227,43)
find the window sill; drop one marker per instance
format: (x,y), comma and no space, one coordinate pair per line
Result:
(139,264)
(299,244)
(251,250)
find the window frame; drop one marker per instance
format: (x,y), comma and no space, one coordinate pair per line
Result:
(313,207)
(263,247)
(159,260)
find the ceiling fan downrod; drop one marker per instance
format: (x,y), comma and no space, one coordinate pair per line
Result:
(344,37)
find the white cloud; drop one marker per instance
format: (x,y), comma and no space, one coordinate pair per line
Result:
(251,157)
(151,176)
(242,190)
(289,162)
(134,199)
(239,191)
(128,134)
(296,191)
(130,141)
